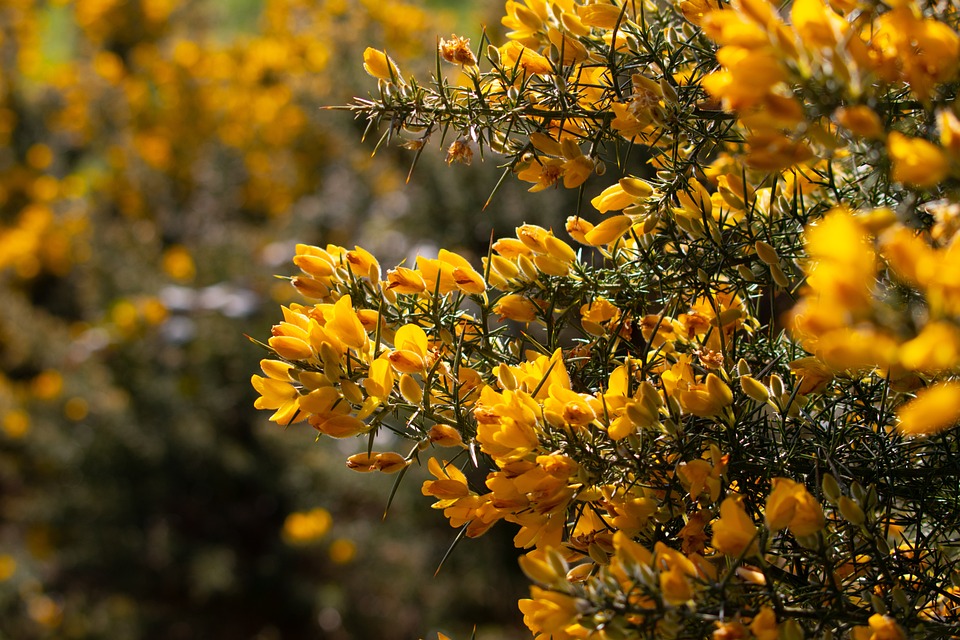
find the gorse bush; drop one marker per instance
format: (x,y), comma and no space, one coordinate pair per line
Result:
(717,398)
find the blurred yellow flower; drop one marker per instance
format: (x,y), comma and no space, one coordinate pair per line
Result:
(764,625)
(307,526)
(8,566)
(880,628)
(16,423)
(48,385)
(342,551)
(861,120)
(178,263)
(916,162)
(935,409)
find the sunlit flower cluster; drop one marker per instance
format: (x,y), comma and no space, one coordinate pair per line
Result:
(702,418)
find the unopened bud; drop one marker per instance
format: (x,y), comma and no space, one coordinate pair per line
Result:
(410,389)
(766,252)
(650,223)
(830,487)
(776,385)
(351,391)
(506,378)
(719,390)
(754,389)
(597,554)
(744,272)
(527,267)
(851,511)
(858,492)
(878,604)
(790,629)
(640,415)
(900,598)
(637,188)
(669,93)
(779,277)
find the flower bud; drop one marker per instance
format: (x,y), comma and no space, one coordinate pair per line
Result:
(779,277)
(766,252)
(776,385)
(851,511)
(790,629)
(410,389)
(351,391)
(754,389)
(506,378)
(830,488)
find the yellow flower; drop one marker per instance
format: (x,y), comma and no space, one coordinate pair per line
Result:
(949,126)
(773,151)
(526,21)
(599,310)
(515,55)
(411,352)
(363,264)
(337,425)
(516,307)
(379,65)
(306,527)
(345,323)
(380,379)
(707,399)
(507,425)
(734,534)
(937,348)
(675,586)
(601,16)
(277,392)
(8,566)
(179,264)
(764,625)
(814,375)
(791,505)
(609,230)
(694,11)
(861,120)
(916,161)
(550,614)
(615,198)
(934,409)
(388,462)
(700,475)
(881,628)
(404,280)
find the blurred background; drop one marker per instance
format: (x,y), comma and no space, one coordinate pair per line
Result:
(159,160)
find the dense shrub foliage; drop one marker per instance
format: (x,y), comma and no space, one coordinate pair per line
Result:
(716,399)
(157,161)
